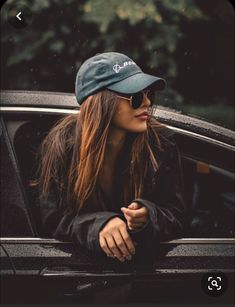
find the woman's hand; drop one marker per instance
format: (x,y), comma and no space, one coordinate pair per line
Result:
(115,240)
(136,215)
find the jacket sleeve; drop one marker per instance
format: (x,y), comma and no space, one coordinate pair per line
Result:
(82,229)
(166,206)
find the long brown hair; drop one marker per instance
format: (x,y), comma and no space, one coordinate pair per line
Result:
(72,154)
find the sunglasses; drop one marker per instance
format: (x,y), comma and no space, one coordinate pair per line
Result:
(137,99)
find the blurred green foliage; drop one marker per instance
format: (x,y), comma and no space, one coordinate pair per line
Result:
(189,43)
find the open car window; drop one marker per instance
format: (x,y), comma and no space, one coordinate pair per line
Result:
(208,179)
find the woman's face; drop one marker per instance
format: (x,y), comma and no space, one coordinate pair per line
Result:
(128,119)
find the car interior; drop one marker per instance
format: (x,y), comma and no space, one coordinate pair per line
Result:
(208,173)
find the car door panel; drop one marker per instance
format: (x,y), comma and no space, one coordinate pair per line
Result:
(61,271)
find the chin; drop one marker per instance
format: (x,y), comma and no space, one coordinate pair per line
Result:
(142,130)
(139,129)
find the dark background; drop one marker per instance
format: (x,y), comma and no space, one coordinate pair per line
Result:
(189,43)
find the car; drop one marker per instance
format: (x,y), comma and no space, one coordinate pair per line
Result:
(35,269)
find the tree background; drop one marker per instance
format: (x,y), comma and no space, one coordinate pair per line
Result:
(190,43)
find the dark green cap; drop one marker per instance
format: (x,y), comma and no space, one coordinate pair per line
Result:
(114,71)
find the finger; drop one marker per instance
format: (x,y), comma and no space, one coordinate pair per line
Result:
(129,212)
(127,217)
(120,242)
(113,247)
(134,206)
(131,219)
(105,248)
(126,237)
(134,213)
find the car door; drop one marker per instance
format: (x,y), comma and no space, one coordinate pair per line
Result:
(44,270)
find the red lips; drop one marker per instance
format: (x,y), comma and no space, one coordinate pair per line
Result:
(142,114)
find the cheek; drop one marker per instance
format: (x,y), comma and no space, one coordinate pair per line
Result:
(121,118)
(122,115)
(126,120)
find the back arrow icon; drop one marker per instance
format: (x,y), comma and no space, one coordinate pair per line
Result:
(18,15)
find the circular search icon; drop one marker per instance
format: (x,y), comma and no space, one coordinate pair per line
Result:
(214,283)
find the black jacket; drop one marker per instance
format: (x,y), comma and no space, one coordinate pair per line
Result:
(164,200)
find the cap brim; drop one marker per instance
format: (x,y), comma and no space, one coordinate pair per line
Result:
(136,83)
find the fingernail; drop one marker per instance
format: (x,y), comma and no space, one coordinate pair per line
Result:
(128,257)
(132,251)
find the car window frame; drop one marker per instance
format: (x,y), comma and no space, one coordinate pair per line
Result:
(64,111)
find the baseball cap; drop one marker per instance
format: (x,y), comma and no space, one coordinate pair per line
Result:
(114,71)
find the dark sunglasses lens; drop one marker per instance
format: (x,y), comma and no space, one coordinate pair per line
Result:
(137,100)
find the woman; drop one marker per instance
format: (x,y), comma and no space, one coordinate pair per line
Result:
(110,177)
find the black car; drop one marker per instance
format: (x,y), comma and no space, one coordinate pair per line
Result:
(198,268)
